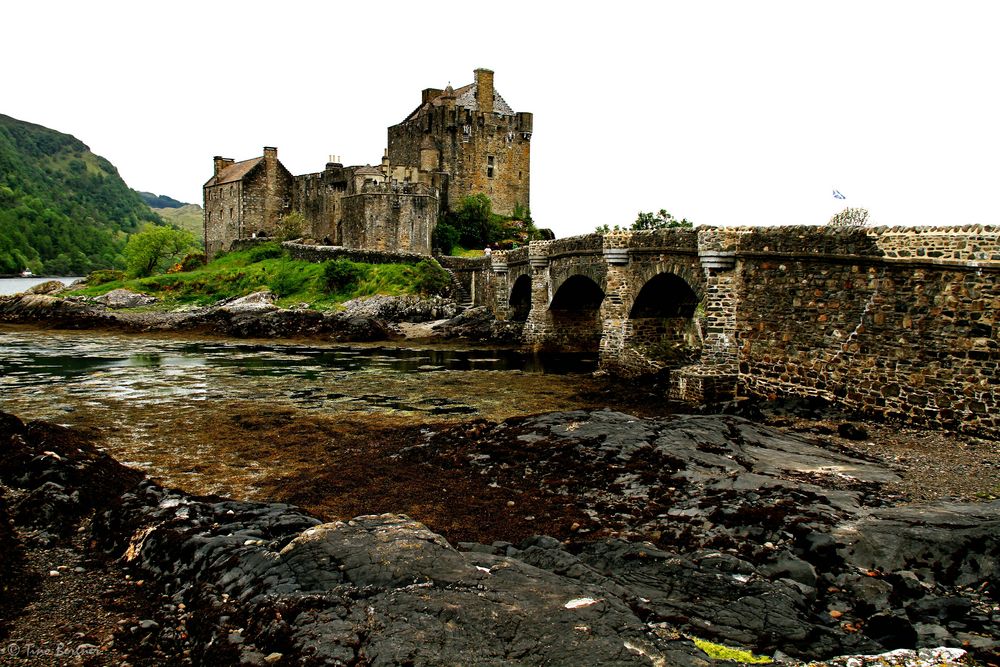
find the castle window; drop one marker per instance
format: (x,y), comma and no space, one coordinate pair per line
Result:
(489,166)
(230,212)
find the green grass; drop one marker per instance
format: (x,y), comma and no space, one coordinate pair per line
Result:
(264,267)
(459,251)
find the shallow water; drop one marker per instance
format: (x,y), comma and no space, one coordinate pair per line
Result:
(180,407)
(15,285)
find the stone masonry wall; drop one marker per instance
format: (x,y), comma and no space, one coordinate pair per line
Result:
(480,150)
(386,218)
(821,312)
(899,322)
(223,216)
(319,200)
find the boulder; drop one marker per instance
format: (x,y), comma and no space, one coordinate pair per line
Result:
(48,287)
(258,302)
(123,298)
(394,309)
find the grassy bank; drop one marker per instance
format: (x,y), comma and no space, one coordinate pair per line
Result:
(321,286)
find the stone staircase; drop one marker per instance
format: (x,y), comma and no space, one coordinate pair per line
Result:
(459,293)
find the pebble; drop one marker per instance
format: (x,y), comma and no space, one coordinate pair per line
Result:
(53,573)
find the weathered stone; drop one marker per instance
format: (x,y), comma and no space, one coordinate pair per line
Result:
(48,287)
(123,298)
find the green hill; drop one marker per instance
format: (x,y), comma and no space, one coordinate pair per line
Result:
(63,210)
(190,217)
(160,201)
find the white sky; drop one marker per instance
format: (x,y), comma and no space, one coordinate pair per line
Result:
(721,112)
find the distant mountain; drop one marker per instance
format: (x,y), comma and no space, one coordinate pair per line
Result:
(160,201)
(63,210)
(189,216)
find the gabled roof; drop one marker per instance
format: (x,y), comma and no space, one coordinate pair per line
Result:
(234,172)
(464,97)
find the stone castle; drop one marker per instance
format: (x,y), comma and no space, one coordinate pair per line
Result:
(457,142)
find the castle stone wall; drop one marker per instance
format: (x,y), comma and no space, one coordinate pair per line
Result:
(318,197)
(482,145)
(223,216)
(384,217)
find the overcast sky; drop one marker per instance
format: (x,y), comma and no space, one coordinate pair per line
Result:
(722,112)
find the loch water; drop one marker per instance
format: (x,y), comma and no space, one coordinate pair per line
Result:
(161,402)
(16,285)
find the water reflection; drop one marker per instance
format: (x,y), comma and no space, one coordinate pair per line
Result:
(66,366)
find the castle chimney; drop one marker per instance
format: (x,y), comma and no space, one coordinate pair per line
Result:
(270,153)
(221,163)
(484,90)
(428,94)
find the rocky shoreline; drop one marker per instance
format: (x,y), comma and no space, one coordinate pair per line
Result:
(377,318)
(700,527)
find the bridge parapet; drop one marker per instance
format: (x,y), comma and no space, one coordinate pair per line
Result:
(676,239)
(967,243)
(587,244)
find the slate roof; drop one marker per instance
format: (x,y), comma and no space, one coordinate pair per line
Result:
(465,97)
(234,172)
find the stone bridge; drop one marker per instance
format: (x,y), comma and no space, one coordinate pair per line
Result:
(895,321)
(633,297)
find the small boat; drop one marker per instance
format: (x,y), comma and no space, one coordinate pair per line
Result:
(27,273)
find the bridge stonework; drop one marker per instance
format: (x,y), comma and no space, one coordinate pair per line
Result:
(899,322)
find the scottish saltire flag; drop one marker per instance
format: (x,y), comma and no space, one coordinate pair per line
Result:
(838,195)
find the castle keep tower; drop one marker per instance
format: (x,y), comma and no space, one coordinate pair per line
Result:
(474,141)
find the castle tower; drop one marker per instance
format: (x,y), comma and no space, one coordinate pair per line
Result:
(481,144)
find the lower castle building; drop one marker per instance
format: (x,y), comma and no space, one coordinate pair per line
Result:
(457,142)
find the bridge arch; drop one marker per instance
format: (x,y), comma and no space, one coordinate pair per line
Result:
(665,295)
(661,325)
(520,298)
(575,310)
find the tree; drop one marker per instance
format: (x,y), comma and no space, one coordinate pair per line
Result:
(291,226)
(649,220)
(850,217)
(156,248)
(660,220)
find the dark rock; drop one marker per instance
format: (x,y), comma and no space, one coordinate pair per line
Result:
(852,431)
(759,536)
(787,566)
(948,543)
(479,324)
(891,630)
